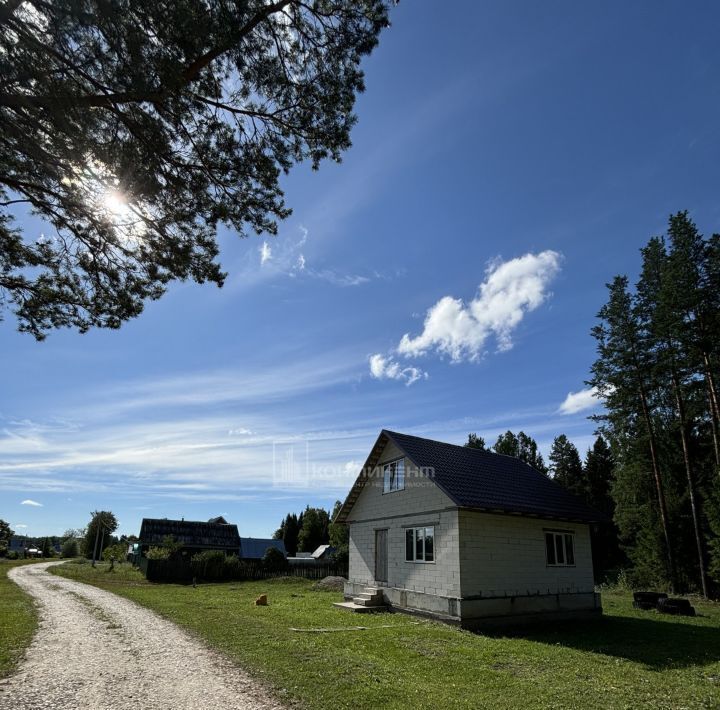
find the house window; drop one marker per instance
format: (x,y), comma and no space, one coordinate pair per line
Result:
(394,476)
(560,549)
(420,544)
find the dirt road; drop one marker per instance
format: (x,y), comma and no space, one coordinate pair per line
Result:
(97,651)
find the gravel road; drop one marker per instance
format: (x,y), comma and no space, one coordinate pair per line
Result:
(97,651)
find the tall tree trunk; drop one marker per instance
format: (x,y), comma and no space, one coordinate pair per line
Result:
(690,479)
(714,407)
(659,487)
(714,430)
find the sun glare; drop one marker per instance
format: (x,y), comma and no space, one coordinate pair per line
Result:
(115,203)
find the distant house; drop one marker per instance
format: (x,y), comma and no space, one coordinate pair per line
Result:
(323,552)
(320,554)
(465,535)
(194,536)
(254,548)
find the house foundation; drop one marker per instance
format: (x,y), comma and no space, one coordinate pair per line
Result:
(488,612)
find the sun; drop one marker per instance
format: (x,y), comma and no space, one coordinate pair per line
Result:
(114,202)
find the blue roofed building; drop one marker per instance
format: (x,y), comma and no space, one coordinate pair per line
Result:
(254,548)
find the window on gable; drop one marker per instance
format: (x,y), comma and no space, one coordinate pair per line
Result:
(420,544)
(394,476)
(560,549)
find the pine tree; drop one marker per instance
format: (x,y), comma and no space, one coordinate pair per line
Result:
(566,467)
(660,309)
(693,268)
(136,129)
(622,374)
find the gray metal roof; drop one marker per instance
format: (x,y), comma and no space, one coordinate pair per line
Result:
(254,548)
(479,480)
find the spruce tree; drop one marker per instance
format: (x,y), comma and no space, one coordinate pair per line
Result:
(599,474)
(566,467)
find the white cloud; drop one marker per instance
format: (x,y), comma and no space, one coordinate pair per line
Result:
(180,437)
(287,257)
(34,503)
(579,401)
(337,279)
(387,368)
(511,289)
(18,526)
(265,253)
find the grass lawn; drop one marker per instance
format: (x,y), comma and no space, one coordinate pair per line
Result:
(18,619)
(629,659)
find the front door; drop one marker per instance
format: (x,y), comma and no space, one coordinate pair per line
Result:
(381,555)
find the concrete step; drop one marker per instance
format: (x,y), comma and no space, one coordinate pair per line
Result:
(367,602)
(375,595)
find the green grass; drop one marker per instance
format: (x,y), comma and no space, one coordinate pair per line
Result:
(629,659)
(18,619)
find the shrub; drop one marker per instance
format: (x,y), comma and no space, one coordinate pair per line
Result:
(274,560)
(69,548)
(208,565)
(13,555)
(341,558)
(158,553)
(118,551)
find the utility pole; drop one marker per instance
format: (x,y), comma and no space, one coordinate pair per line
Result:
(97,534)
(102,539)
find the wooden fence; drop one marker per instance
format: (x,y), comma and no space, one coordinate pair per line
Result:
(180,571)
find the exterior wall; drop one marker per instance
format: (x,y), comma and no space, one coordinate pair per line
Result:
(504,555)
(421,503)
(487,567)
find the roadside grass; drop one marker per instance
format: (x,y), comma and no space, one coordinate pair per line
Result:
(629,659)
(18,618)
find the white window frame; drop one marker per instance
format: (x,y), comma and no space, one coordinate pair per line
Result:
(393,482)
(563,542)
(423,532)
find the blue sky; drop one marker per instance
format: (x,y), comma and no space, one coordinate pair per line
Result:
(509,159)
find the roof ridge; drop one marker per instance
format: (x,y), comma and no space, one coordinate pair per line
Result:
(458,446)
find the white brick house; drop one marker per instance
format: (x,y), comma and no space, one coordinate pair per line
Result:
(468,536)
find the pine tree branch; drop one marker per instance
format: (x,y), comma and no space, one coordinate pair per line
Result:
(186,77)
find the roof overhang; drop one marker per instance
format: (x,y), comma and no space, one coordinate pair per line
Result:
(369,466)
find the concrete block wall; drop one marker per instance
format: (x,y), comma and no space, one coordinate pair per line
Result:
(504,555)
(420,504)
(441,577)
(486,565)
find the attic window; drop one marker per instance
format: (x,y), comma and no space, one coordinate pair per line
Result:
(394,476)
(560,549)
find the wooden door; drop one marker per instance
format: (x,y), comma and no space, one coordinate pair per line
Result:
(381,556)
